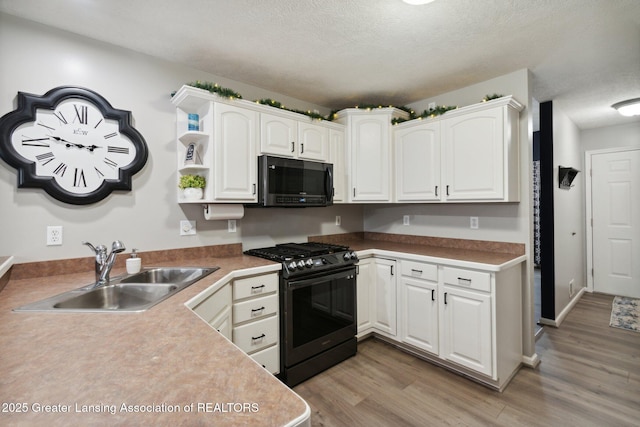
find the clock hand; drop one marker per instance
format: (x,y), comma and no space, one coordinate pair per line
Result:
(92,147)
(68,143)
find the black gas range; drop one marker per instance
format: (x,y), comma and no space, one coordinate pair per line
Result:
(317,307)
(307,258)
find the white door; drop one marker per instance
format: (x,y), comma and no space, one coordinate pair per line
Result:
(615,199)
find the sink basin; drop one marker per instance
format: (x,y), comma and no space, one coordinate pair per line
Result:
(137,292)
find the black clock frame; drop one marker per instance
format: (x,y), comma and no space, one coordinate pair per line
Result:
(26,112)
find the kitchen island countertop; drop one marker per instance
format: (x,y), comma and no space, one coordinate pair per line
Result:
(164,366)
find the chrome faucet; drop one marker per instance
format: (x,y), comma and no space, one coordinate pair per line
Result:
(103,262)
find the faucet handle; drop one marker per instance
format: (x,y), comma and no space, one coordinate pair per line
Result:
(93,248)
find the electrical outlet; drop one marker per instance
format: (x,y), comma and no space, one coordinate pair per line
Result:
(187,228)
(571,288)
(473,222)
(231,225)
(406,220)
(54,235)
(338,220)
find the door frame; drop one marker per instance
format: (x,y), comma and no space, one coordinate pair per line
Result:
(589,209)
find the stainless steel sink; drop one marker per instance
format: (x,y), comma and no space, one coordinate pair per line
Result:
(137,292)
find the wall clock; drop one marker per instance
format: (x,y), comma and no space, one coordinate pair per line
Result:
(72,143)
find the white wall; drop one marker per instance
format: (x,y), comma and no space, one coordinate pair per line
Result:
(627,135)
(35,58)
(569,212)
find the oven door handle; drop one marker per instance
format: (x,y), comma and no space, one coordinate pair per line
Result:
(349,273)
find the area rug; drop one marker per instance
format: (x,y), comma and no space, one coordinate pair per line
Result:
(625,313)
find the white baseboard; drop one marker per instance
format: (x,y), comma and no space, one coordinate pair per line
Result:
(531,361)
(556,323)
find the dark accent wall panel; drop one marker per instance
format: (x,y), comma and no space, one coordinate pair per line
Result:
(547,211)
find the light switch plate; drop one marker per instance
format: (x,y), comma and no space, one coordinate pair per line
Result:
(406,220)
(231,226)
(473,222)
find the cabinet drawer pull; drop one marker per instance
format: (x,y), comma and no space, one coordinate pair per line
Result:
(433,294)
(253,310)
(257,287)
(259,337)
(462,279)
(413,270)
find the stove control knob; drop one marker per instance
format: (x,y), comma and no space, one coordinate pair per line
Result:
(293,265)
(309,262)
(354,255)
(346,256)
(300,264)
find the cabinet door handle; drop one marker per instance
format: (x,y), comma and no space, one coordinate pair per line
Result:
(302,148)
(254,189)
(445,298)
(436,191)
(259,337)
(293,146)
(433,294)
(391,269)
(354,191)
(447,190)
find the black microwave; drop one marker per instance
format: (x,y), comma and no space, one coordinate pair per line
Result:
(294,183)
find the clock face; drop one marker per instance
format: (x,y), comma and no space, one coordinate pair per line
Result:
(75,145)
(71,143)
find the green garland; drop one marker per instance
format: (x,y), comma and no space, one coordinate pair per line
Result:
(231,94)
(270,102)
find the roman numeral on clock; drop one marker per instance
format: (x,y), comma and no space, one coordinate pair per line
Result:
(110,135)
(60,117)
(99,172)
(82,113)
(45,126)
(119,150)
(35,142)
(61,169)
(79,179)
(110,162)
(45,158)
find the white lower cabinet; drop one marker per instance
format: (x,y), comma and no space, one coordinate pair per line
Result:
(255,319)
(467,320)
(418,306)
(466,329)
(215,309)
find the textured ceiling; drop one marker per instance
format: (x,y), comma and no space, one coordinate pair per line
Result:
(583,54)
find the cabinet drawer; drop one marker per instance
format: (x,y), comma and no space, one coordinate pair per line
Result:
(419,270)
(255,308)
(211,307)
(255,286)
(467,279)
(269,358)
(256,335)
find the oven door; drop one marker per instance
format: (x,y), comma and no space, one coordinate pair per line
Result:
(319,312)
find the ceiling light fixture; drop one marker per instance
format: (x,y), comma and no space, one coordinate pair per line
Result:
(630,107)
(417,2)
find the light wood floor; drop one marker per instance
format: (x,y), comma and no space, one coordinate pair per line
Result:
(589,376)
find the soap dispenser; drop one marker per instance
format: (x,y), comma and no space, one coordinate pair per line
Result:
(134,263)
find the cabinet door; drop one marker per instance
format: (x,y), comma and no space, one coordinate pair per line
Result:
(385,296)
(222,323)
(277,135)
(336,151)
(466,329)
(417,150)
(419,313)
(474,155)
(370,158)
(236,166)
(313,142)
(365,294)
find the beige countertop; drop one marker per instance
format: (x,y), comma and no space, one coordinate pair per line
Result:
(106,369)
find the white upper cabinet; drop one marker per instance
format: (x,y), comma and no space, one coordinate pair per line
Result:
(285,136)
(235,138)
(469,154)
(481,152)
(417,171)
(277,135)
(337,158)
(370,156)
